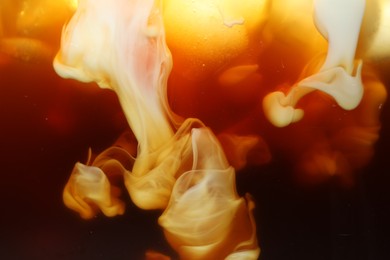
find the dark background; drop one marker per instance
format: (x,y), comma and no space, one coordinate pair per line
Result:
(47,124)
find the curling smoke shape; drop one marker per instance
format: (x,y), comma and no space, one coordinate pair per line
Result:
(129,55)
(176,163)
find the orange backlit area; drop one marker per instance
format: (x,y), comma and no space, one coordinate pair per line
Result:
(203,92)
(271,52)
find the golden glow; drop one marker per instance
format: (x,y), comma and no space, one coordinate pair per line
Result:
(379,47)
(229,24)
(33,27)
(209,87)
(43,13)
(73,4)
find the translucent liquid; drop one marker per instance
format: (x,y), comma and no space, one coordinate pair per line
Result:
(53,122)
